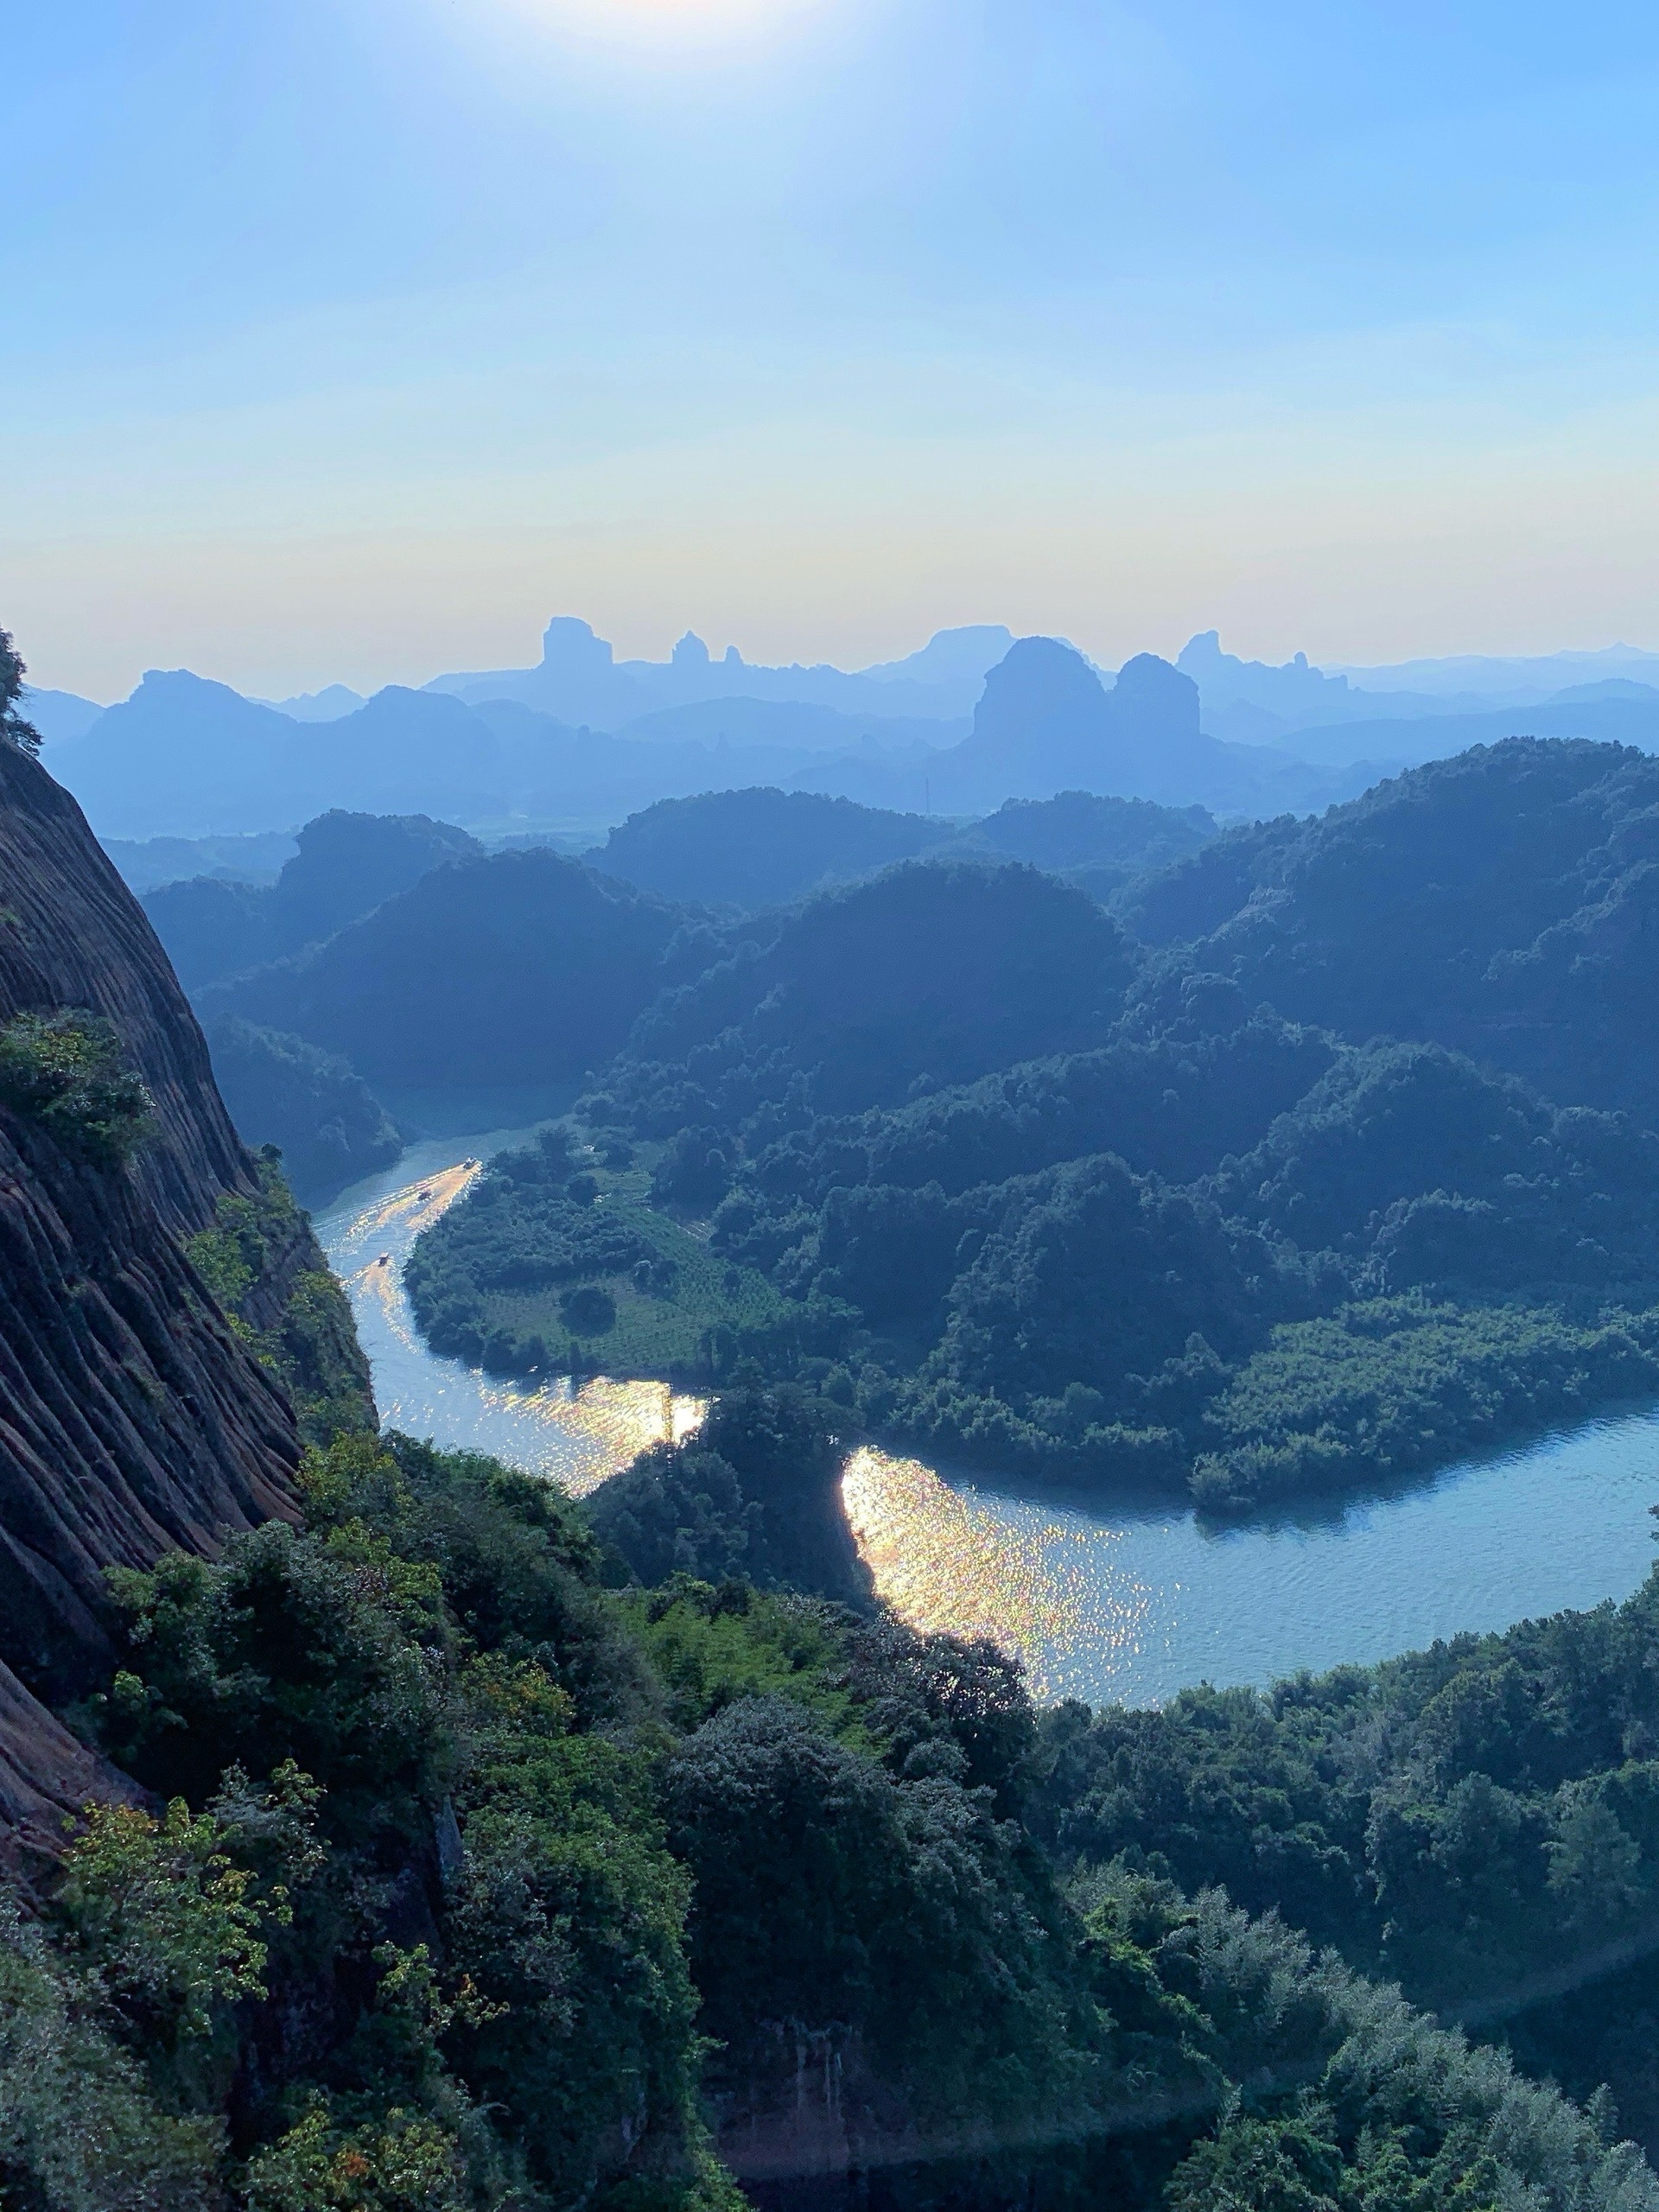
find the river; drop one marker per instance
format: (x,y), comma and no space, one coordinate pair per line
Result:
(1120,1604)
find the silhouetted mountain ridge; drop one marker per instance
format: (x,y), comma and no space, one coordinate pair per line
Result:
(1046,722)
(346,864)
(765,847)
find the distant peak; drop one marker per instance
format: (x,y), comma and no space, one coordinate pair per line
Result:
(568,643)
(956,655)
(1148,680)
(164,680)
(1039,648)
(1200,652)
(333,702)
(1037,675)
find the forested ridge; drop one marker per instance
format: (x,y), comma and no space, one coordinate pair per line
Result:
(1021,1187)
(480,1870)
(445,1845)
(1498,902)
(763,848)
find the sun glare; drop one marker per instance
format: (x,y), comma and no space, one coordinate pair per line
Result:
(666,25)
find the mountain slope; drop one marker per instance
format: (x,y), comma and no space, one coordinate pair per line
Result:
(523,968)
(347,864)
(1405,742)
(756,848)
(183,757)
(924,976)
(764,847)
(317,1110)
(1504,903)
(134,1417)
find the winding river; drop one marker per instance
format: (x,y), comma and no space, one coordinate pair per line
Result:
(1123,1605)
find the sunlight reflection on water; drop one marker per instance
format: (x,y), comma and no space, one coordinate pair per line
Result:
(1101,1603)
(575,1436)
(1051,1590)
(1131,1604)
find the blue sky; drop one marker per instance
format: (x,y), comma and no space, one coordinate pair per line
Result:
(350,339)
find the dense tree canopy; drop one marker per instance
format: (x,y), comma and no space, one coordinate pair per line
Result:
(520,968)
(1497,902)
(476,1874)
(1034,1195)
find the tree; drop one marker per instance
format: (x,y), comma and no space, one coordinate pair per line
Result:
(21,733)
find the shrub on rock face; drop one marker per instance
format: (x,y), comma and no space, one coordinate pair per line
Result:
(67,1072)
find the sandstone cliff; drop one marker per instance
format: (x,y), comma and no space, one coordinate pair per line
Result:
(135,1414)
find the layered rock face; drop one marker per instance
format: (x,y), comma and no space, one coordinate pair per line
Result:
(133,1417)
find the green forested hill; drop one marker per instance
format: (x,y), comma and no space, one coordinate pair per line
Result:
(520,968)
(923,977)
(1373,1258)
(760,848)
(1500,902)
(315,1108)
(1323,1158)
(347,864)
(493,1877)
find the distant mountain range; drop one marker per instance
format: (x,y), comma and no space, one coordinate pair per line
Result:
(579,679)
(1047,722)
(1259,705)
(1512,681)
(976,717)
(186,758)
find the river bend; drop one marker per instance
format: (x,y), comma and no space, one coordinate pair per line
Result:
(1101,1605)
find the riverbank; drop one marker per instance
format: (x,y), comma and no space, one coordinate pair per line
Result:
(574,1435)
(1121,1604)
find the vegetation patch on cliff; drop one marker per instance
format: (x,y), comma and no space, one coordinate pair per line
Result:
(67,1072)
(311,1342)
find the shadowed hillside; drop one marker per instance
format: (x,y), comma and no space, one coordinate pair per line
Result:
(139,1413)
(347,864)
(1501,903)
(753,848)
(519,968)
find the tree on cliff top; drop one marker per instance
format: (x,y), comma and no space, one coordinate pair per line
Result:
(19,732)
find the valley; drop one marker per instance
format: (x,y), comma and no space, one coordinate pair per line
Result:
(1005,1501)
(829,1108)
(1122,1606)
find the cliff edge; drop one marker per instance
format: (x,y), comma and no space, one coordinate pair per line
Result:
(148,1303)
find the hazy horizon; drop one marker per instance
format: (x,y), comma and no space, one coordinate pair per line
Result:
(825,323)
(660,653)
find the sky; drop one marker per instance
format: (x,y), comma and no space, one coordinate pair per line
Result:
(349,339)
